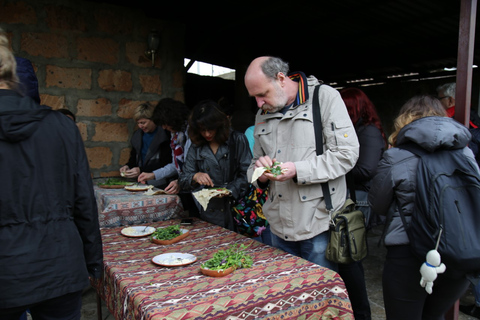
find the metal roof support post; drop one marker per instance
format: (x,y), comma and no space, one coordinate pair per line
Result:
(466,41)
(463,93)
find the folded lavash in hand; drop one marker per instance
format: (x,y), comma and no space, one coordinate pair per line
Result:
(203,196)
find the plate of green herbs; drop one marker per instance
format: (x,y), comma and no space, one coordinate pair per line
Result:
(227,261)
(113,183)
(169,235)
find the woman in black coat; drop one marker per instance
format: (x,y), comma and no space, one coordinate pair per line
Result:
(372,141)
(50,240)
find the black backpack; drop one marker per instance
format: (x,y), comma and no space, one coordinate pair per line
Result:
(447,208)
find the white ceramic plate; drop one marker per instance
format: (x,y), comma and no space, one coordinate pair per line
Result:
(174,259)
(137,231)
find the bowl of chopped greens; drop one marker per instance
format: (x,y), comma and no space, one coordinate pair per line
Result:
(169,235)
(113,183)
(226,261)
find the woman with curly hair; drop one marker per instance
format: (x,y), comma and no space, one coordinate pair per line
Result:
(218,157)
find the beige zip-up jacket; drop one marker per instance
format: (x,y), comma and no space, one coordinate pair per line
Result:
(296,209)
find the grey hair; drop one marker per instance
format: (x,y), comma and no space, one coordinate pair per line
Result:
(273,65)
(448,89)
(8,64)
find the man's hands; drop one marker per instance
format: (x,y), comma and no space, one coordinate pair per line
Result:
(289,170)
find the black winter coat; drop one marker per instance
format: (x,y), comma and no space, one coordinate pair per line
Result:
(372,147)
(49,232)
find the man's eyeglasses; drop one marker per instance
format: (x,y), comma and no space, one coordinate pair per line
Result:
(440,98)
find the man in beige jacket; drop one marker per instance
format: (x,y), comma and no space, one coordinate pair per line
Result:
(284,132)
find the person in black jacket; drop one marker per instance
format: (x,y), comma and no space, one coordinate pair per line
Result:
(50,241)
(372,141)
(150,150)
(372,144)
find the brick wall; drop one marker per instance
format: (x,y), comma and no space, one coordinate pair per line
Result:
(89,58)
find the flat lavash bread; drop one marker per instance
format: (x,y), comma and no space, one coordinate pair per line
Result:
(257,173)
(203,196)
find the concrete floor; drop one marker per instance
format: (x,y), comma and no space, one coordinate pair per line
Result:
(373,266)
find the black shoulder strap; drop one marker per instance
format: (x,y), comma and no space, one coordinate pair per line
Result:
(318,128)
(351,186)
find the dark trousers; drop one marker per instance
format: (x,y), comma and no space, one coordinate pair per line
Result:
(218,213)
(354,278)
(403,296)
(66,307)
(189,204)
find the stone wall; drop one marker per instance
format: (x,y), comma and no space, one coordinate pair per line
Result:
(89,58)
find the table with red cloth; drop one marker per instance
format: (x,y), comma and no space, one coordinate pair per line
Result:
(277,286)
(117,207)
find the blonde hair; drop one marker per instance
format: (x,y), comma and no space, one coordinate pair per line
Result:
(416,108)
(143,111)
(8,64)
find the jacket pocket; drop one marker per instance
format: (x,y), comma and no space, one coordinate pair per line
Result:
(343,132)
(312,192)
(264,132)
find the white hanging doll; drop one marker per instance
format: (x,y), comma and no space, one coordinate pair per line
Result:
(431,268)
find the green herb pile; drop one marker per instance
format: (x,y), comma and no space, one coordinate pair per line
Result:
(114,182)
(167,233)
(275,169)
(235,256)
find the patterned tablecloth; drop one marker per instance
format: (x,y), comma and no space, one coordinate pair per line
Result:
(277,286)
(117,207)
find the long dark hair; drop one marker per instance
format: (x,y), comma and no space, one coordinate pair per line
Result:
(206,115)
(359,106)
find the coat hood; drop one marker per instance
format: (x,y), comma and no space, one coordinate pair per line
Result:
(432,133)
(28,78)
(19,116)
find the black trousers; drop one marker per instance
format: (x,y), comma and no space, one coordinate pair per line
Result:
(403,296)
(353,276)
(219,213)
(66,307)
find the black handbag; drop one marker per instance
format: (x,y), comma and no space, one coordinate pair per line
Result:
(347,233)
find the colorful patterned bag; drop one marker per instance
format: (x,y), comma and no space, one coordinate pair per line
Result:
(248,214)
